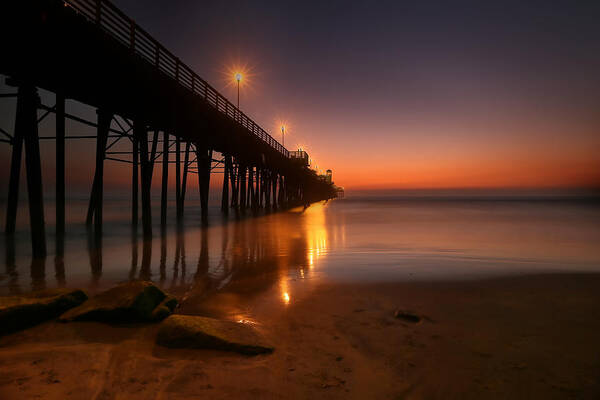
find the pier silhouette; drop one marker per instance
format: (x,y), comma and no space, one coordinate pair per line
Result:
(145,96)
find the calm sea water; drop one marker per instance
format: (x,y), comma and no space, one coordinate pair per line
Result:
(343,240)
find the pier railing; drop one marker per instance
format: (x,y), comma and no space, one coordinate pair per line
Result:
(116,23)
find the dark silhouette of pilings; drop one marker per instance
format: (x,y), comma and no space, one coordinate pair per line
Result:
(60,164)
(140,132)
(27,115)
(235,185)
(183,186)
(94,214)
(134,183)
(241,186)
(163,257)
(59,260)
(246,184)
(203,160)
(145,267)
(165,182)
(225,188)
(266,189)
(94,247)
(179,211)
(15,174)
(262,188)
(281,199)
(26,132)
(38,273)
(250,192)
(134,255)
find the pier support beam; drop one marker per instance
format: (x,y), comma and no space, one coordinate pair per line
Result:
(225,192)
(26,127)
(139,131)
(203,160)
(281,198)
(257,188)
(261,192)
(135,183)
(15,169)
(165,182)
(250,194)
(178,212)
(243,193)
(152,155)
(267,184)
(60,164)
(186,162)
(235,185)
(96,199)
(274,186)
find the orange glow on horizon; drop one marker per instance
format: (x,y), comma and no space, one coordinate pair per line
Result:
(400,174)
(462,175)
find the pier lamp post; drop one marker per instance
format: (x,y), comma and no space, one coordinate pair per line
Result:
(238,78)
(283,135)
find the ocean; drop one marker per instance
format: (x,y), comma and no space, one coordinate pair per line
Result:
(375,239)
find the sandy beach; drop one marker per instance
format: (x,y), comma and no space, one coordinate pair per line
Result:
(502,338)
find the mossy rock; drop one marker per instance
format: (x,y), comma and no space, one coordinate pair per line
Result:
(20,312)
(187,331)
(129,302)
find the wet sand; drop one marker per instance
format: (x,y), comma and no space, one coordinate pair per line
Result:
(502,338)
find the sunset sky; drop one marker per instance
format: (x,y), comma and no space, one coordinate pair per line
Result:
(393,94)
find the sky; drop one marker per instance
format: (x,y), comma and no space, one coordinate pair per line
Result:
(404,95)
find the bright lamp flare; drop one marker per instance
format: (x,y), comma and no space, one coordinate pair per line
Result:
(238,74)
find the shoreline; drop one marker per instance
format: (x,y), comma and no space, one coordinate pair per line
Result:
(509,337)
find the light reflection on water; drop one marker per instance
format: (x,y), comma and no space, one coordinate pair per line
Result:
(237,258)
(218,269)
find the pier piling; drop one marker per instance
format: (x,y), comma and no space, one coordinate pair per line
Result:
(165,182)
(60,164)
(27,104)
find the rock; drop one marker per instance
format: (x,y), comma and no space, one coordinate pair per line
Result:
(407,316)
(187,331)
(165,308)
(136,301)
(170,302)
(19,312)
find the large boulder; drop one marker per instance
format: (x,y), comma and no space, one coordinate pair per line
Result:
(188,331)
(19,312)
(137,301)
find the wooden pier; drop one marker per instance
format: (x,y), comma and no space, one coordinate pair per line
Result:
(91,52)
